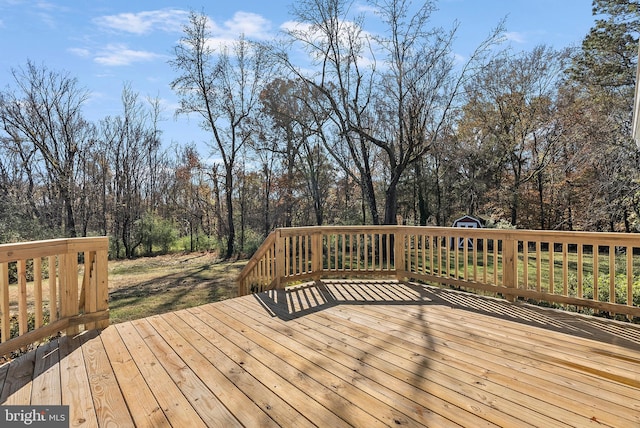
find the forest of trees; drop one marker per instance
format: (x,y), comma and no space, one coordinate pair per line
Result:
(372,128)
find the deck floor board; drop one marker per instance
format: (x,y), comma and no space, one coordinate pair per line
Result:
(414,375)
(342,353)
(532,379)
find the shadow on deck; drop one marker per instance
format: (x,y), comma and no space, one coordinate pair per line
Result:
(312,297)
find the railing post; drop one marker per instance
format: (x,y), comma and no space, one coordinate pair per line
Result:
(399,261)
(5,331)
(316,255)
(510,265)
(102,285)
(69,288)
(280,265)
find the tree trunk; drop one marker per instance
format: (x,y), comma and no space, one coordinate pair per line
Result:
(266,224)
(541,199)
(423,207)
(231,234)
(391,204)
(70,220)
(371,199)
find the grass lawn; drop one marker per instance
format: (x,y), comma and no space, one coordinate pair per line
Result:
(152,285)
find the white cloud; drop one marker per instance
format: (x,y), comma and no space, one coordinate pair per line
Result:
(44,5)
(459,59)
(295,26)
(311,37)
(166,20)
(250,24)
(83,53)
(366,8)
(514,36)
(120,54)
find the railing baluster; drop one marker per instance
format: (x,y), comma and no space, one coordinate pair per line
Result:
(596,272)
(495,261)
(367,246)
(485,259)
(37,291)
(538,266)
(579,276)
(353,246)
(345,252)
(389,238)
(415,261)
(629,253)
(552,268)
(4,301)
(308,263)
(435,268)
(465,254)
(448,256)
(565,269)
(525,264)
(475,259)
(22,297)
(454,242)
(612,274)
(53,289)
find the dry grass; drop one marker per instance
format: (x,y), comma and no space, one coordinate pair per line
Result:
(148,286)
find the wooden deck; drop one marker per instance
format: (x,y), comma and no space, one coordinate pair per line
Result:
(366,354)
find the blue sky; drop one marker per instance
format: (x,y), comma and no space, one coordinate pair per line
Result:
(106,43)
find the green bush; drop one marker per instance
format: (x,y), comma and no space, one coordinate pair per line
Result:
(200,243)
(13,270)
(157,234)
(603,288)
(252,241)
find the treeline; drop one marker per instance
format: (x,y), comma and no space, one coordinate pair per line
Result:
(333,125)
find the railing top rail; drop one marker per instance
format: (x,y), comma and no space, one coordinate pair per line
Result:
(28,250)
(600,238)
(293,231)
(269,240)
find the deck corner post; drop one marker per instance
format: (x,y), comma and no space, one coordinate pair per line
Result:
(399,239)
(69,288)
(280,262)
(510,265)
(316,254)
(102,285)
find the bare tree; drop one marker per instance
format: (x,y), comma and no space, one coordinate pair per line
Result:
(20,186)
(130,142)
(295,120)
(44,114)
(221,85)
(390,94)
(336,46)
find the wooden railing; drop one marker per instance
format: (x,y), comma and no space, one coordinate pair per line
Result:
(598,271)
(52,286)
